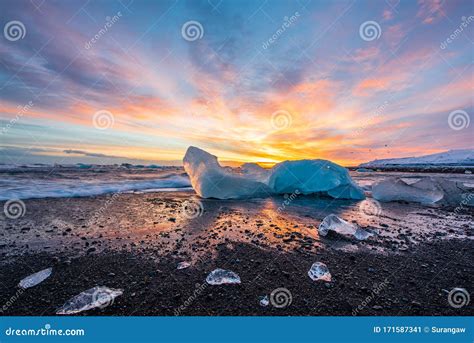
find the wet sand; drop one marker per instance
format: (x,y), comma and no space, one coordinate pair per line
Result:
(135,241)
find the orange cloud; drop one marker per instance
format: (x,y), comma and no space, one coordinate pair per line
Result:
(368,86)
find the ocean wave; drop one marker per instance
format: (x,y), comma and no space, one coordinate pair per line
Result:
(33,188)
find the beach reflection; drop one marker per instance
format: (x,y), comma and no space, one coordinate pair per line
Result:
(157,225)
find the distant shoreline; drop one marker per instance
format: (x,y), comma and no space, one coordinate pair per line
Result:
(447,169)
(423,168)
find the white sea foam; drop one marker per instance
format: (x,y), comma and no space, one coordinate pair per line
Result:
(15,187)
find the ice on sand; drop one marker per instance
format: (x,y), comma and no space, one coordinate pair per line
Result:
(428,190)
(319,271)
(210,180)
(35,278)
(264,301)
(183,265)
(221,277)
(99,296)
(340,226)
(314,176)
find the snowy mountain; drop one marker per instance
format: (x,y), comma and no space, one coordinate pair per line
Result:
(464,157)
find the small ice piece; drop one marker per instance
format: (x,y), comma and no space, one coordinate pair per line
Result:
(319,271)
(264,301)
(183,265)
(427,190)
(361,234)
(99,296)
(396,189)
(221,277)
(340,226)
(35,278)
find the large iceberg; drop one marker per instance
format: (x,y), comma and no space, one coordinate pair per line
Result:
(427,190)
(314,176)
(254,171)
(210,180)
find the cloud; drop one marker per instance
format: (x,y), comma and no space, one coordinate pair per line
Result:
(430,11)
(90,154)
(387,14)
(166,93)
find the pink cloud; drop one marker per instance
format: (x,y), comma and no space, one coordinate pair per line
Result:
(430,11)
(387,14)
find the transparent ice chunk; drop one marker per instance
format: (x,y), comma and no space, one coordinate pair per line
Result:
(361,234)
(35,278)
(99,296)
(319,271)
(221,277)
(264,301)
(340,226)
(424,191)
(183,265)
(427,190)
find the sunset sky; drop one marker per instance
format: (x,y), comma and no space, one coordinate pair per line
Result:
(320,88)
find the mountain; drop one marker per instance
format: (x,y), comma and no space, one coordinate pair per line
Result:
(463,157)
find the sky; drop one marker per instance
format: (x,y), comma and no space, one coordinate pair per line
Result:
(250,81)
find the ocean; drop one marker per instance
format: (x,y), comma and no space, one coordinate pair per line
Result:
(68,181)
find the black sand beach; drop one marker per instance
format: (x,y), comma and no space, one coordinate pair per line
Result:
(135,241)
